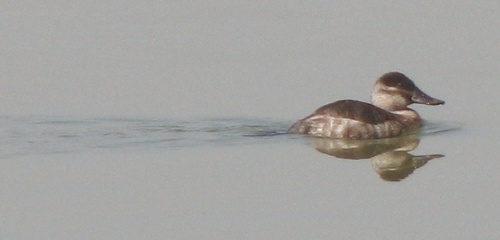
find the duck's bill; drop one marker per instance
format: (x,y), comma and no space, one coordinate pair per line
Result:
(422,98)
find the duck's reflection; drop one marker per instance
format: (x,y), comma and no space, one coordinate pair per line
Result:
(390,157)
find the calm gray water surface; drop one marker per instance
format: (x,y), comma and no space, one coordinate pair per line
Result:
(228,178)
(120,163)
(48,135)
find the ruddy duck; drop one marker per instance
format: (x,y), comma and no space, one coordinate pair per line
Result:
(388,117)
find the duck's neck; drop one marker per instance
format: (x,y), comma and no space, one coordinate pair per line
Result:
(389,102)
(408,116)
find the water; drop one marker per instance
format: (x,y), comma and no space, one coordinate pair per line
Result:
(172,117)
(48,135)
(226,178)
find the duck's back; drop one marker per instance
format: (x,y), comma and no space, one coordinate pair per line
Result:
(355,110)
(349,119)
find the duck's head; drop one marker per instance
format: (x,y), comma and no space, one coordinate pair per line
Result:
(394,91)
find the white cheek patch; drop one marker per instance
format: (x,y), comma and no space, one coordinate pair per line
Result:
(392,89)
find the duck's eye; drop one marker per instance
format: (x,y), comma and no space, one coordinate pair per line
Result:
(406,85)
(395,85)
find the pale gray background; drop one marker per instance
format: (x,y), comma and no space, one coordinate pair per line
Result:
(275,59)
(251,59)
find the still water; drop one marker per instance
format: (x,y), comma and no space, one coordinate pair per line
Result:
(239,178)
(172,119)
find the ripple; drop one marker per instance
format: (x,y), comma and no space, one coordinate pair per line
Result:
(433,127)
(39,135)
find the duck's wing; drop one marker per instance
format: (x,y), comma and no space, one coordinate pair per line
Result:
(356,110)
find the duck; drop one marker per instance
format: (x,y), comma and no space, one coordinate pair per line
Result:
(387,116)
